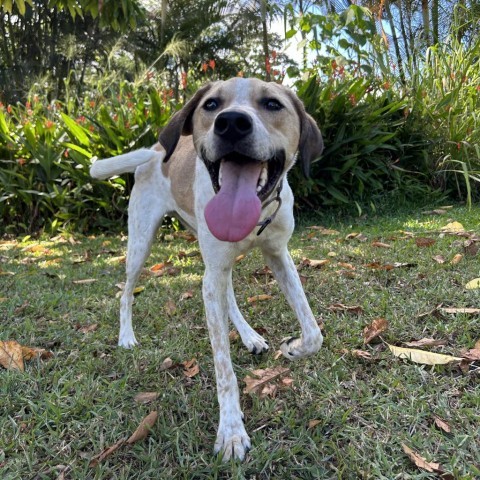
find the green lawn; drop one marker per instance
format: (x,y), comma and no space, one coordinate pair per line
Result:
(59,413)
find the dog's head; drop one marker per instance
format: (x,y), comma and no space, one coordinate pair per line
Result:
(248,133)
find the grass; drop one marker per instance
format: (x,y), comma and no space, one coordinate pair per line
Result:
(59,413)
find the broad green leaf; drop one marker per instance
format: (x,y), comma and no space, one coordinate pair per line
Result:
(77,131)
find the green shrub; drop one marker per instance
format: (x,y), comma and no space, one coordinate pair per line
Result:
(46,150)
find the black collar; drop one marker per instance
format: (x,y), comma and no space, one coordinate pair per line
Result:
(263,225)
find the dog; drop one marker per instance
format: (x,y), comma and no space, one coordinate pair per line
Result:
(221,165)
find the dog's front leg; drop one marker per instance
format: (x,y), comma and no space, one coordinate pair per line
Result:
(286,275)
(232,439)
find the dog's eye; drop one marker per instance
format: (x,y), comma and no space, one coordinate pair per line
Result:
(272,104)
(211,104)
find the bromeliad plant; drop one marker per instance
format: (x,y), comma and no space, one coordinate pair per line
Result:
(46,150)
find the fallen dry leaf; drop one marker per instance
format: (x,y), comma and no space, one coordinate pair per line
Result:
(423,357)
(144,428)
(166,364)
(186,295)
(349,266)
(11,355)
(426,342)
(340,307)
(378,326)
(361,354)
(424,242)
(439,259)
(456,259)
(473,284)
(307,262)
(471,355)
(357,236)
(437,211)
(259,298)
(191,368)
(442,424)
(85,281)
(106,453)
(379,266)
(313,423)
(261,383)
(453,227)
(420,462)
(86,328)
(380,245)
(146,397)
(471,311)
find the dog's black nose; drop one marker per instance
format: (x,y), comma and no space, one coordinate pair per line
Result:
(233,126)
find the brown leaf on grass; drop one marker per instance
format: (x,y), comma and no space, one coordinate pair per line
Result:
(439,259)
(191,368)
(106,453)
(166,364)
(379,266)
(361,354)
(233,336)
(340,307)
(423,357)
(324,231)
(425,242)
(313,423)
(86,328)
(456,259)
(144,428)
(348,266)
(471,355)
(263,381)
(378,326)
(239,258)
(146,397)
(422,463)
(11,355)
(470,247)
(163,269)
(380,245)
(307,262)
(259,298)
(426,342)
(186,295)
(442,424)
(263,272)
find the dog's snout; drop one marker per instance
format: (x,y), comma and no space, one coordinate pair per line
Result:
(233,126)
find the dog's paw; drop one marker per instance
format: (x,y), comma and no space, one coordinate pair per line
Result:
(255,344)
(232,443)
(294,348)
(127,340)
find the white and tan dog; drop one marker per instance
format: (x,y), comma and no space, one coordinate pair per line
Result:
(221,166)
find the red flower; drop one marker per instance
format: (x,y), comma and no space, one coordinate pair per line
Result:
(459,145)
(184,80)
(21,162)
(65,153)
(92,103)
(204,67)
(9,109)
(268,67)
(211,64)
(28,105)
(49,124)
(274,55)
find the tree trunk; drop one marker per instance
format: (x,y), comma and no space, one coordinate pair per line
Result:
(426,22)
(435,21)
(163,20)
(395,41)
(266,50)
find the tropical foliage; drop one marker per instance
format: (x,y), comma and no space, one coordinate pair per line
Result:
(87,85)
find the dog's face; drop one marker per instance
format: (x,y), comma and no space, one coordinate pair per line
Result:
(248,133)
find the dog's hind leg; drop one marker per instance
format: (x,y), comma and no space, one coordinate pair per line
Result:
(287,277)
(254,342)
(145,212)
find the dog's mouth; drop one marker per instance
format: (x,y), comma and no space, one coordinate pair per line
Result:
(241,184)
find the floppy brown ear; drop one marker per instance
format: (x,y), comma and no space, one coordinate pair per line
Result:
(310,145)
(311,142)
(181,123)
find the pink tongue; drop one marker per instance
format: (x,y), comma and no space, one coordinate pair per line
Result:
(234,211)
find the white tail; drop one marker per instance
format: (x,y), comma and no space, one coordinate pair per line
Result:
(127,162)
